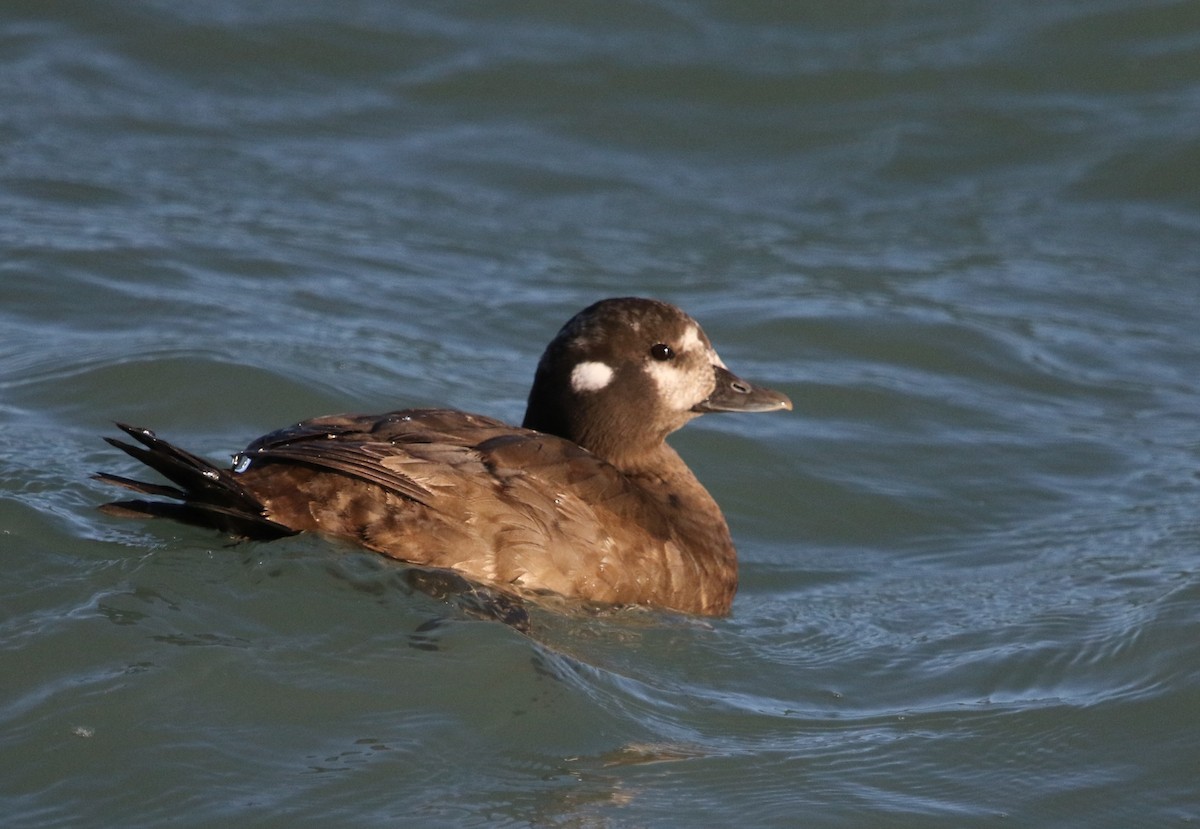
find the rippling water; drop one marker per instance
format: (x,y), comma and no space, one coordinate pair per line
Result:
(964,238)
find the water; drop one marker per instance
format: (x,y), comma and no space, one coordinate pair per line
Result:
(963,237)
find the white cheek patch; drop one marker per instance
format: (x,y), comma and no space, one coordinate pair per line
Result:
(676,389)
(591,376)
(679,387)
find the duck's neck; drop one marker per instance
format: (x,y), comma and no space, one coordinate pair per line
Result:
(707,560)
(666,478)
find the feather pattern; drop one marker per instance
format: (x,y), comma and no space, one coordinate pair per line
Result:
(585,500)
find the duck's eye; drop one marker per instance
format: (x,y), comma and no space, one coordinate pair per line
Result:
(662,352)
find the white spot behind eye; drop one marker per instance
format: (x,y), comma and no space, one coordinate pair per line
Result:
(591,376)
(690,338)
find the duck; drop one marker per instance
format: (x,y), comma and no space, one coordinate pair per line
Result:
(585,501)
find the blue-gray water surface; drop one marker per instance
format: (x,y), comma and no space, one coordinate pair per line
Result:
(964,237)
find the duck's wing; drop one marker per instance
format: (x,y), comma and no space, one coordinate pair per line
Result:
(449,489)
(395,451)
(425,454)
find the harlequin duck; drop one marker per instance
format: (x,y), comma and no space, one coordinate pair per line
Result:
(585,500)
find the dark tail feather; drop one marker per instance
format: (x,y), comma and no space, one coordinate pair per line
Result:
(211,497)
(141,486)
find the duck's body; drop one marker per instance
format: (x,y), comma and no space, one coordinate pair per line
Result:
(586,500)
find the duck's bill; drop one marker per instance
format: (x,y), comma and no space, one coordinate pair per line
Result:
(733,394)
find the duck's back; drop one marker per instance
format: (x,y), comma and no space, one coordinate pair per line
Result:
(504,505)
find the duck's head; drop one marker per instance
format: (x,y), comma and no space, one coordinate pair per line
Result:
(624,373)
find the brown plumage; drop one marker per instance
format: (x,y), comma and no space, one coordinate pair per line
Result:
(585,500)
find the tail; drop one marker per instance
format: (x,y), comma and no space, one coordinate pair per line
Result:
(204,495)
